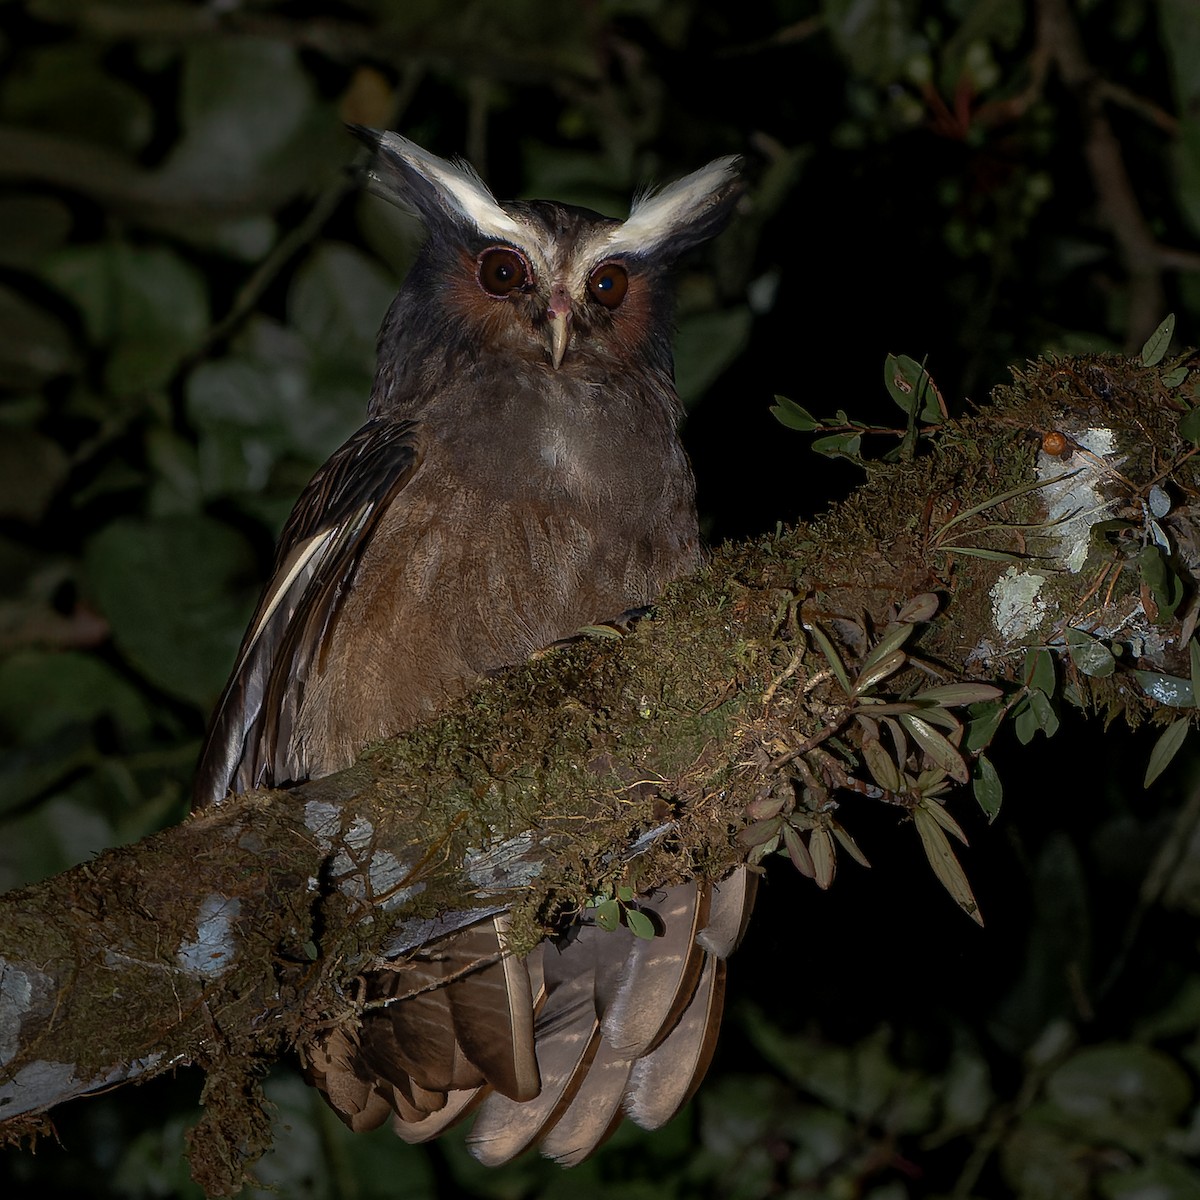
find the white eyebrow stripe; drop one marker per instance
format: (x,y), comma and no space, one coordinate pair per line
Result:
(459,186)
(586,255)
(655,216)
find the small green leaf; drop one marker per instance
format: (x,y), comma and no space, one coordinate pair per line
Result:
(943,718)
(903,450)
(882,765)
(1032,714)
(831,656)
(981,552)
(1173,379)
(639,924)
(1165,749)
(945,820)
(798,852)
(1024,722)
(989,791)
(949,695)
(848,844)
(1167,689)
(985,720)
(1157,344)
(1044,713)
(1039,671)
(840,445)
(1194,656)
(930,783)
(939,751)
(922,607)
(876,672)
(789,413)
(899,740)
(945,865)
(910,386)
(760,832)
(892,639)
(608,914)
(759,852)
(1091,656)
(824,856)
(762,808)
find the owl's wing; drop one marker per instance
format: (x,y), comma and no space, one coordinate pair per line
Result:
(319,551)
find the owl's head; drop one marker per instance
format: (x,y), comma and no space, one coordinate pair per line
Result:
(549,285)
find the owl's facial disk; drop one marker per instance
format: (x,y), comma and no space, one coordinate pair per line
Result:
(545,288)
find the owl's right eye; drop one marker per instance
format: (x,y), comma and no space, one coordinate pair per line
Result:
(502,271)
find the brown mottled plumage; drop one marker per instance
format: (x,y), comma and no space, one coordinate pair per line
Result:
(519,477)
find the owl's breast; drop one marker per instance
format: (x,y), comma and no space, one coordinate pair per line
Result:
(588,487)
(534,511)
(519,528)
(578,440)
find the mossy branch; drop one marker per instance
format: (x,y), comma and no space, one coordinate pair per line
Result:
(803,667)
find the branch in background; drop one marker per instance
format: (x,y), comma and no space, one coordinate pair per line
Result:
(1144,258)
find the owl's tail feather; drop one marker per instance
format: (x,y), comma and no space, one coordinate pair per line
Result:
(455,1016)
(619,1005)
(641,1070)
(623,1026)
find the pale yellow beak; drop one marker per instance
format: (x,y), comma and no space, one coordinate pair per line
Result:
(558,317)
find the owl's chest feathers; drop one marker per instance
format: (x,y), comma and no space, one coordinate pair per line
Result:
(531,515)
(535,435)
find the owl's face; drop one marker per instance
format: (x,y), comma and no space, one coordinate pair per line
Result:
(547,285)
(558,286)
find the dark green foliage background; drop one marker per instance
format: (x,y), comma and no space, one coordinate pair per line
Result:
(190,286)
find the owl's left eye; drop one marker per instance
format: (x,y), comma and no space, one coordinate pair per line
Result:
(608,284)
(502,271)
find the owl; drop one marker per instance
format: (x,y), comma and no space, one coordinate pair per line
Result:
(519,476)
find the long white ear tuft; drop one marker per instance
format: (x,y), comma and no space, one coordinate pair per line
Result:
(439,190)
(665,223)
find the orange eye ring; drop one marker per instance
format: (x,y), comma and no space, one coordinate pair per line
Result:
(502,271)
(608,284)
